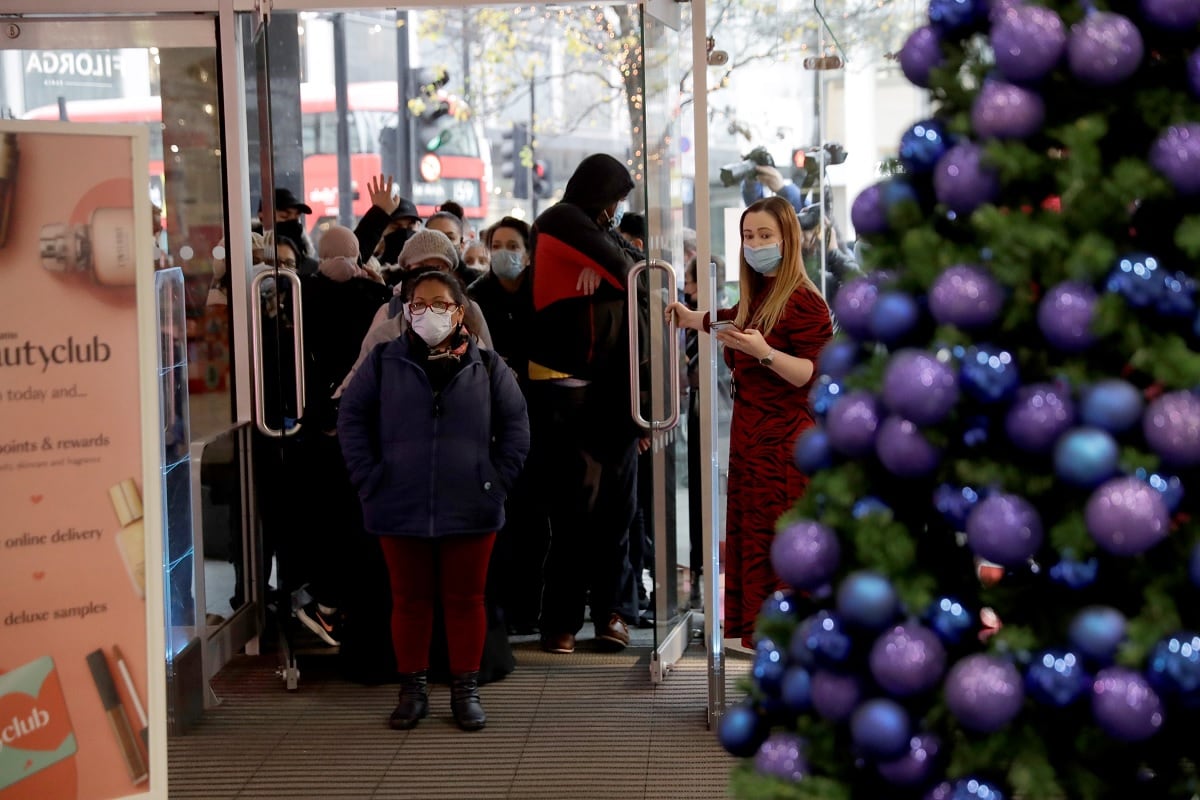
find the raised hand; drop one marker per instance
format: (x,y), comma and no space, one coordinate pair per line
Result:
(380,190)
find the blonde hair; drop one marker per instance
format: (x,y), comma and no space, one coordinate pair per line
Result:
(788,277)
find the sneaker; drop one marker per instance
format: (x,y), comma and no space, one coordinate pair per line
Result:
(321,620)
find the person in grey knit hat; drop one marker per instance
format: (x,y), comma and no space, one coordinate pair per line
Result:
(425,250)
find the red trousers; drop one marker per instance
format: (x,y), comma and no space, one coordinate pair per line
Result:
(418,569)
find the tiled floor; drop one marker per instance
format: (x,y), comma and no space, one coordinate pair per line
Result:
(589,725)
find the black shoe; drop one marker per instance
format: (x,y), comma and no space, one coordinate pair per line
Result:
(414,701)
(464,702)
(646,619)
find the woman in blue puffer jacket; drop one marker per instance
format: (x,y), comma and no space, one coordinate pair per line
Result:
(434,433)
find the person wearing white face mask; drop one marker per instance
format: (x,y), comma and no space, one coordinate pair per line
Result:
(772,340)
(434,433)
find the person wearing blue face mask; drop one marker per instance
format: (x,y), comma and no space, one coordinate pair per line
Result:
(772,339)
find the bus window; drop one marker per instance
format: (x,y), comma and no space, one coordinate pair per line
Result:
(320,134)
(448,136)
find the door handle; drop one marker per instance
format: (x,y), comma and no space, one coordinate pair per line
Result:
(635,373)
(260,409)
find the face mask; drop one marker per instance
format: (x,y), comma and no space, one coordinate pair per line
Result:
(432,327)
(763,260)
(618,214)
(507,264)
(293,229)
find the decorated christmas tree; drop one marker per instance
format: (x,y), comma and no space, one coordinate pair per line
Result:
(995,572)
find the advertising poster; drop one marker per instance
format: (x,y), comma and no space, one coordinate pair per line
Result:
(81,687)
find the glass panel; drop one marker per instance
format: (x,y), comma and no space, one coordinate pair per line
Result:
(222,480)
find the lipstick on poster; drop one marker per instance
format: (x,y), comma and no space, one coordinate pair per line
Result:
(8,182)
(127,679)
(118,720)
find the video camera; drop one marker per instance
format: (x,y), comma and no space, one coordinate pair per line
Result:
(807,170)
(733,174)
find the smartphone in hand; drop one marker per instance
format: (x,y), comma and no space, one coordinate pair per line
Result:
(723,324)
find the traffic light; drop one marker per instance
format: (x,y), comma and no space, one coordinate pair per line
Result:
(543,184)
(516,159)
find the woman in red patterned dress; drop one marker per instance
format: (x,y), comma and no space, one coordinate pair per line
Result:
(772,340)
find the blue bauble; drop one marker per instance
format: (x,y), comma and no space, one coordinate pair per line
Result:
(741,730)
(834,695)
(920,55)
(956,16)
(1040,414)
(894,315)
(1086,457)
(813,452)
(1169,486)
(1075,574)
(974,789)
(769,665)
(914,767)
(1137,277)
(1178,297)
(837,359)
(1057,678)
(867,506)
(820,640)
(1113,405)
(950,620)
(796,690)
(881,729)
(897,191)
(1193,69)
(922,146)
(1174,668)
(823,395)
(779,607)
(955,504)
(989,374)
(867,600)
(1097,632)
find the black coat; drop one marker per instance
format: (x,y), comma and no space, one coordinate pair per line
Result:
(508,315)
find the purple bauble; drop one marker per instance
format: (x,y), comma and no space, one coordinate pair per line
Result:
(1004,528)
(834,696)
(1172,428)
(919,387)
(922,146)
(1173,15)
(1040,414)
(1125,706)
(852,422)
(1104,49)
(1176,154)
(1127,516)
(1007,111)
(962,182)
(966,295)
(1193,69)
(904,451)
(805,555)
(1028,42)
(782,756)
(1065,316)
(853,304)
(868,214)
(908,659)
(920,55)
(915,766)
(984,693)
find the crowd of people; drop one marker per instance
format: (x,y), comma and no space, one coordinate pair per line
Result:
(467,414)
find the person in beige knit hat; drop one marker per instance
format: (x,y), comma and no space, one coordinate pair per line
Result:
(429,248)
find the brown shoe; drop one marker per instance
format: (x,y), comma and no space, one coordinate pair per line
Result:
(562,643)
(615,634)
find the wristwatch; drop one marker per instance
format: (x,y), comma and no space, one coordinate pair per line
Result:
(768,359)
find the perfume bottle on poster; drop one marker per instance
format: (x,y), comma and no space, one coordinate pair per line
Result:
(103,247)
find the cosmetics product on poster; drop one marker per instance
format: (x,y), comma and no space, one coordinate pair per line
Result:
(81,660)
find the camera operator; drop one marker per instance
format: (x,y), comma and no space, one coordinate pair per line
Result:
(840,264)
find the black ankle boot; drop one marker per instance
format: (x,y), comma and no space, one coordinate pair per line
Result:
(414,701)
(464,702)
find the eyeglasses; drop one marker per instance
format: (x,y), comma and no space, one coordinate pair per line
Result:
(287,263)
(439,307)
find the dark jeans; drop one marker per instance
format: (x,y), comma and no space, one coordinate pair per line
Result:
(518,561)
(695,487)
(583,460)
(641,542)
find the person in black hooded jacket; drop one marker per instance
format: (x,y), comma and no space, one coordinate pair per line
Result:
(584,442)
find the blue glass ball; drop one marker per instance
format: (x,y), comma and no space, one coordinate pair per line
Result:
(769,665)
(950,620)
(955,504)
(898,191)
(779,607)
(796,690)
(1174,668)
(1057,678)
(922,146)
(820,640)
(1086,457)
(956,16)
(1112,404)
(741,730)
(916,765)
(1178,297)
(824,393)
(1169,486)
(894,315)
(837,359)
(867,600)
(1137,278)
(813,452)
(881,729)
(1097,632)
(866,506)
(974,789)
(1194,566)
(1075,574)
(989,374)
